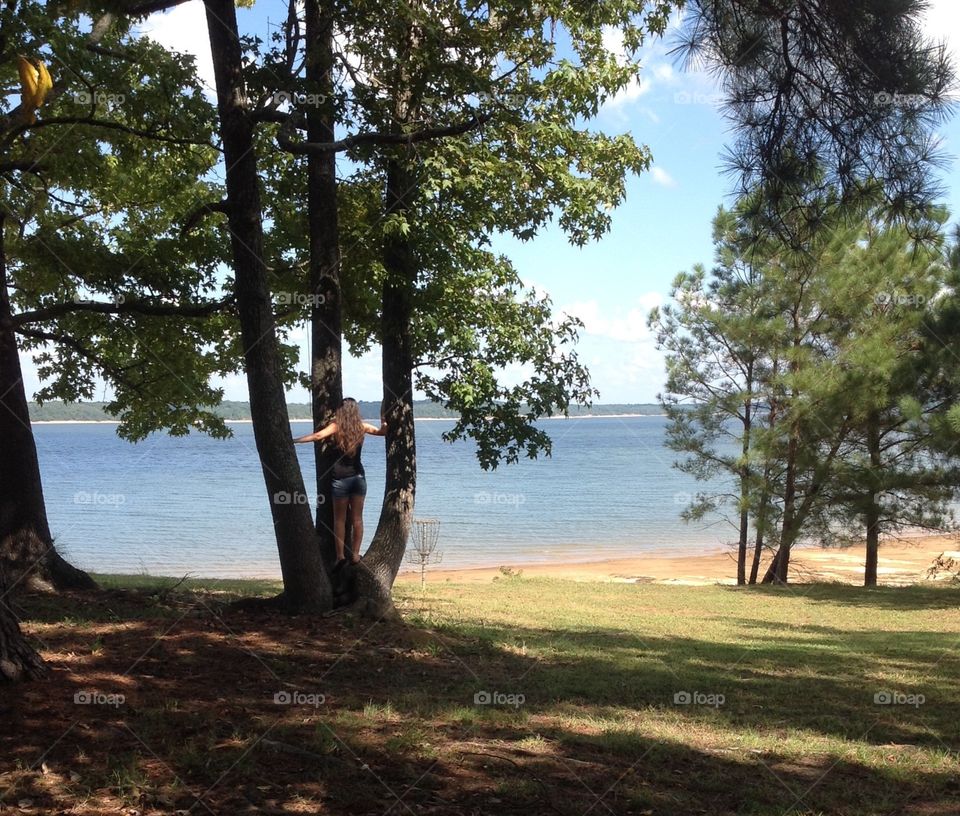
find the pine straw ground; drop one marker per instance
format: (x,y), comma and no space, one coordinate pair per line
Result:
(583,716)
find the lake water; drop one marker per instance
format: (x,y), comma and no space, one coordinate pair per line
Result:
(171,506)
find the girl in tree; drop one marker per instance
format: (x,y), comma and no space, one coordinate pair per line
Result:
(349,481)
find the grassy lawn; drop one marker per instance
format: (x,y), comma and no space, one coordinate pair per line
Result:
(517,696)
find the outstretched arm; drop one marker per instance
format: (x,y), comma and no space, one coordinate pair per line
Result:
(373,430)
(316,436)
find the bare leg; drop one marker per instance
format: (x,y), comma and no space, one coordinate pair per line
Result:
(356,518)
(339,525)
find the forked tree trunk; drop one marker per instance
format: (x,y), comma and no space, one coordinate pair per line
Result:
(790,532)
(22,506)
(771,572)
(779,569)
(794,513)
(306,586)
(326,320)
(781,564)
(382,561)
(764,505)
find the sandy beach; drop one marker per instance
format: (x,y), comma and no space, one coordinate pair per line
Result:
(901,562)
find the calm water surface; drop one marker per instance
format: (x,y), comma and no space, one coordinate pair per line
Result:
(170,506)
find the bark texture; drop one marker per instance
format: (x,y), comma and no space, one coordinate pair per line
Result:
(872,514)
(20,552)
(326,328)
(380,565)
(22,505)
(306,586)
(18,659)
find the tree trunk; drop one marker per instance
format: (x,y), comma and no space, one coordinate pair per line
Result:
(761,517)
(59,572)
(795,516)
(306,586)
(742,549)
(757,555)
(20,555)
(771,573)
(744,491)
(385,555)
(872,515)
(326,373)
(780,565)
(873,542)
(22,506)
(18,659)
(764,505)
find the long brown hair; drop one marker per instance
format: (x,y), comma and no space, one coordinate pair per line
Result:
(350,430)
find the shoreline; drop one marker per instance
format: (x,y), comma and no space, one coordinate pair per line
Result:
(901,562)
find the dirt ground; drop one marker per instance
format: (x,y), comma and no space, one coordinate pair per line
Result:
(179,714)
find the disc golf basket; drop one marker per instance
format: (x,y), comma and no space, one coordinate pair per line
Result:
(423,550)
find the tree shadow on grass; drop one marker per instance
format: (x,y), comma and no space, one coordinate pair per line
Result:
(913,597)
(825,685)
(257,713)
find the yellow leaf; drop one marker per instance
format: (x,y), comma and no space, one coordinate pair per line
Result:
(44,83)
(29,82)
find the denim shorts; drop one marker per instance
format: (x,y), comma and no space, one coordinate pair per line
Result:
(350,486)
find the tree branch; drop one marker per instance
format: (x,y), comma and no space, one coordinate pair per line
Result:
(378,138)
(110,52)
(71,342)
(151,7)
(203,210)
(106,124)
(142,307)
(25,165)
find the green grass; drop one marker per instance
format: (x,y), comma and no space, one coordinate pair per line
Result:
(228,586)
(787,679)
(523,691)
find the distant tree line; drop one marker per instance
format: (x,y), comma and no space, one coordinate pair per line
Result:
(57,411)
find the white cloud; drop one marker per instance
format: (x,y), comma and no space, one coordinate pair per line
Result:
(184,29)
(662,177)
(942,23)
(619,350)
(625,326)
(662,71)
(635,88)
(660,68)
(612,39)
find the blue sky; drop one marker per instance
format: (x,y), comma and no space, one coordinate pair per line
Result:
(662,228)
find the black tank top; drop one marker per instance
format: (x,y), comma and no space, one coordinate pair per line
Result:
(347,465)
